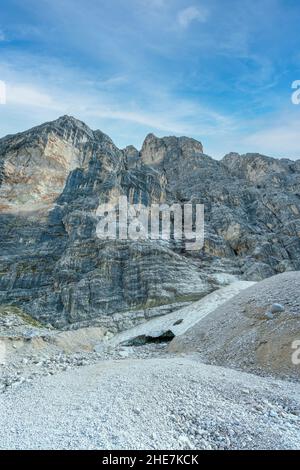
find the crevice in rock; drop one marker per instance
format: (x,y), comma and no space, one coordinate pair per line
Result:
(141,340)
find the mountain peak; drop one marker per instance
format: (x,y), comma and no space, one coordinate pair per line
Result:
(68,118)
(69,122)
(155,149)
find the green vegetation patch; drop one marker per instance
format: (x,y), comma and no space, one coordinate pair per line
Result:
(13,310)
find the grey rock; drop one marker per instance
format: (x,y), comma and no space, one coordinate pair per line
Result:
(277,308)
(269,315)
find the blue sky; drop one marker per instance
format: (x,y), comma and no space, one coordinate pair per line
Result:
(219,70)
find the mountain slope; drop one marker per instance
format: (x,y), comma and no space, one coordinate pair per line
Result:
(252,338)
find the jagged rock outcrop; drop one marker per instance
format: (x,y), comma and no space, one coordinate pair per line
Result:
(52,179)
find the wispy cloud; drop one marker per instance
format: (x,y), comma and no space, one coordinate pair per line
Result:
(102,104)
(28,95)
(2,35)
(170,114)
(277,137)
(190,14)
(153,107)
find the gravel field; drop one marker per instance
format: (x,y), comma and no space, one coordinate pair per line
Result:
(243,333)
(90,389)
(157,403)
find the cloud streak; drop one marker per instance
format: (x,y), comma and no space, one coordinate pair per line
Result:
(191,14)
(277,135)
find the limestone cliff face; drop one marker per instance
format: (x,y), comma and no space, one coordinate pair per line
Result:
(52,179)
(35,164)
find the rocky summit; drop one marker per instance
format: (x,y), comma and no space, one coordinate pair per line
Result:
(53,178)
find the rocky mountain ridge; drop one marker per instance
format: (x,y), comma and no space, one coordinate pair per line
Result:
(52,179)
